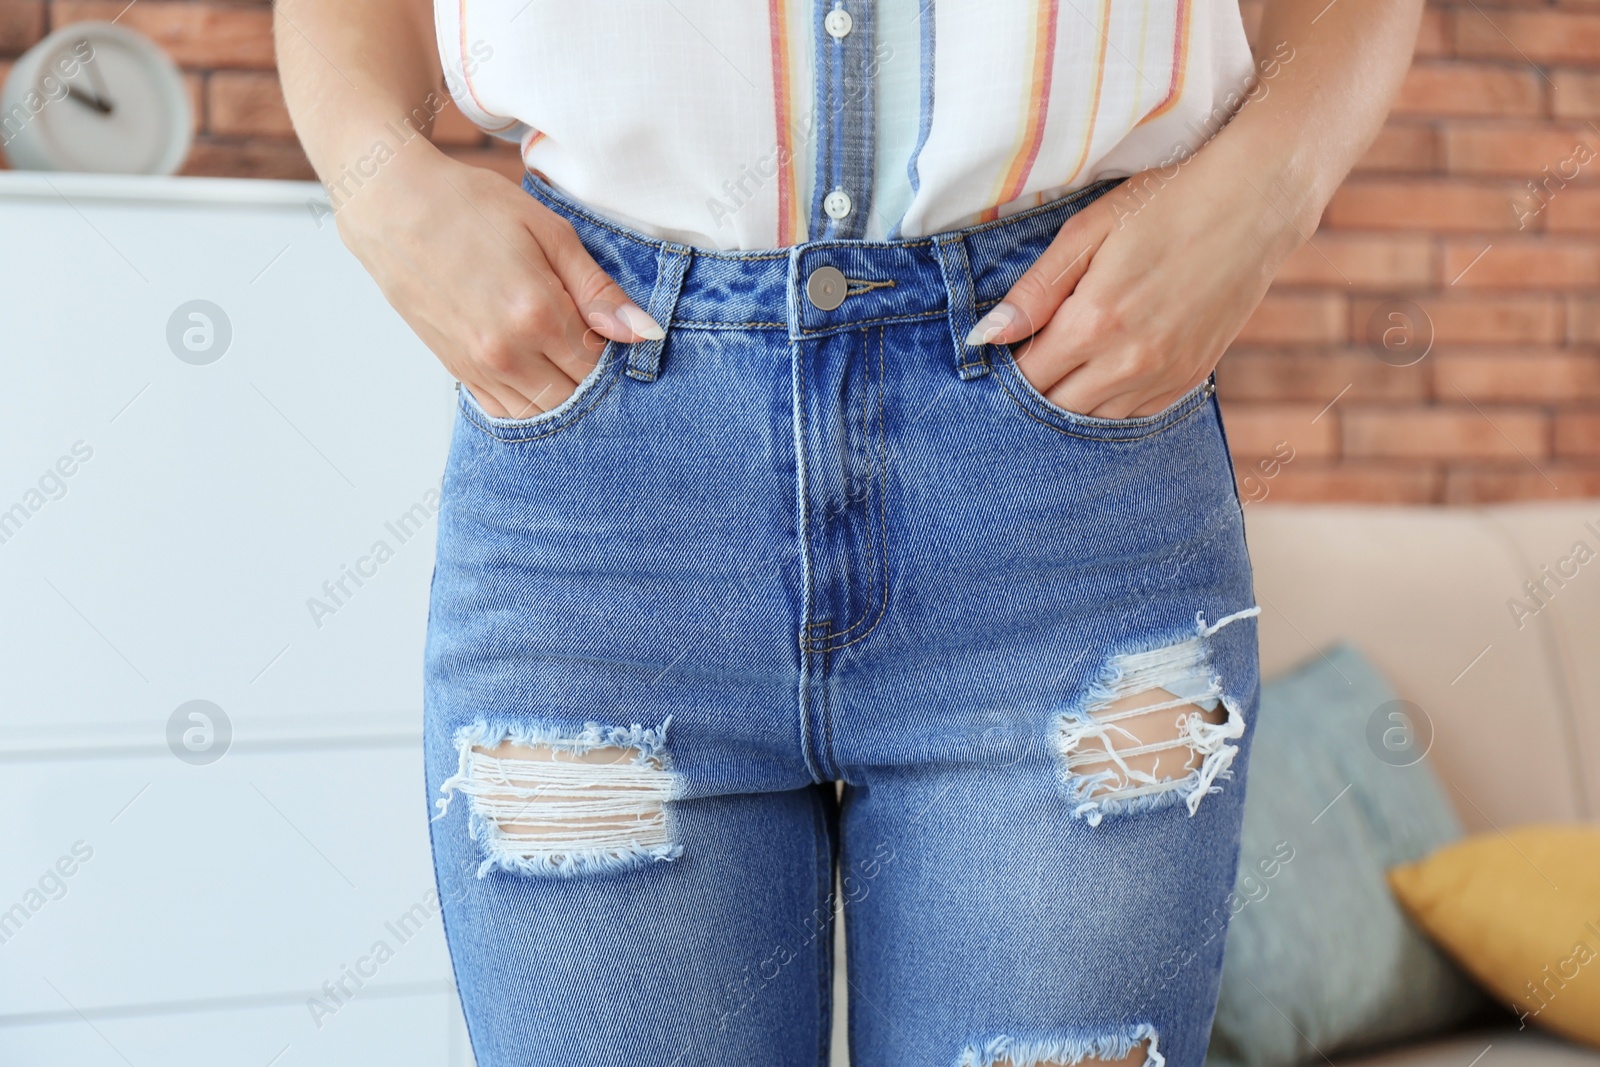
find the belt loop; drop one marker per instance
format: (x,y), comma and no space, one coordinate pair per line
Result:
(972,361)
(672,263)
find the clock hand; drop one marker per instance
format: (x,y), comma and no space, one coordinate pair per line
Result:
(102,97)
(88,101)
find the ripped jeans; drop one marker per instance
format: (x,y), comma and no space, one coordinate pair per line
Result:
(813,538)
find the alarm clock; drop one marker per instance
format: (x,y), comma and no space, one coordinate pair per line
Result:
(95,97)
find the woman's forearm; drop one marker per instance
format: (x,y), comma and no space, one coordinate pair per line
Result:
(353,72)
(1310,118)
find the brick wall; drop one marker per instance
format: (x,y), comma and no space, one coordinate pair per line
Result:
(1452,209)
(1470,232)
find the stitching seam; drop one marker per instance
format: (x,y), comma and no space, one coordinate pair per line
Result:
(1174,418)
(866,450)
(571,417)
(742,325)
(904,317)
(883,529)
(808,554)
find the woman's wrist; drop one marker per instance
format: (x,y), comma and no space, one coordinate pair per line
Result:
(376,183)
(1260,184)
(357,147)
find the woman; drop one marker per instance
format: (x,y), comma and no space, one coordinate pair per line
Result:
(838,514)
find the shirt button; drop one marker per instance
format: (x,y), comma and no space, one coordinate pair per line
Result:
(825,288)
(836,204)
(837,22)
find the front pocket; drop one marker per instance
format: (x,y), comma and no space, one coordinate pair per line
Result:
(1009,377)
(590,391)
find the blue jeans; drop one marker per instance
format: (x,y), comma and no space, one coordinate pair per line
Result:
(813,538)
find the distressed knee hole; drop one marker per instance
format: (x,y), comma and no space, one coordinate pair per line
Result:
(544,804)
(1135,1047)
(1142,740)
(1157,729)
(1136,1058)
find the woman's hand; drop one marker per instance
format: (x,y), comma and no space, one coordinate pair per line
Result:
(494,282)
(1140,294)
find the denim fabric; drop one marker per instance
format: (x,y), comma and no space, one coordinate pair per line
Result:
(790,547)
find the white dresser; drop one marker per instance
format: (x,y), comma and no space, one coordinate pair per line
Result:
(172,514)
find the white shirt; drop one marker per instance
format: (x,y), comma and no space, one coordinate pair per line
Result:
(732,124)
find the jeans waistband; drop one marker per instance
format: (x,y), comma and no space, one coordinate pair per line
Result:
(955,275)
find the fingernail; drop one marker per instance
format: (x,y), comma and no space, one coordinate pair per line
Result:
(636,319)
(986,329)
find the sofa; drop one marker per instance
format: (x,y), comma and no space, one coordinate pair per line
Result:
(1513,693)
(1514,697)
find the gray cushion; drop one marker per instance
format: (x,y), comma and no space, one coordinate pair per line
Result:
(1319,957)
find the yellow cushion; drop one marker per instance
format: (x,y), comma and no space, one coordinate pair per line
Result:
(1520,912)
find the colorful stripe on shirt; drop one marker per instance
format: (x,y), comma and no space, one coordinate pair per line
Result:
(1099,83)
(1036,111)
(1180,62)
(790,221)
(531,138)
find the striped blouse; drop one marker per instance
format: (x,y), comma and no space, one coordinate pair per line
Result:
(737,125)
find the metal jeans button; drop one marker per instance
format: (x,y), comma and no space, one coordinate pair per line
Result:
(825,288)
